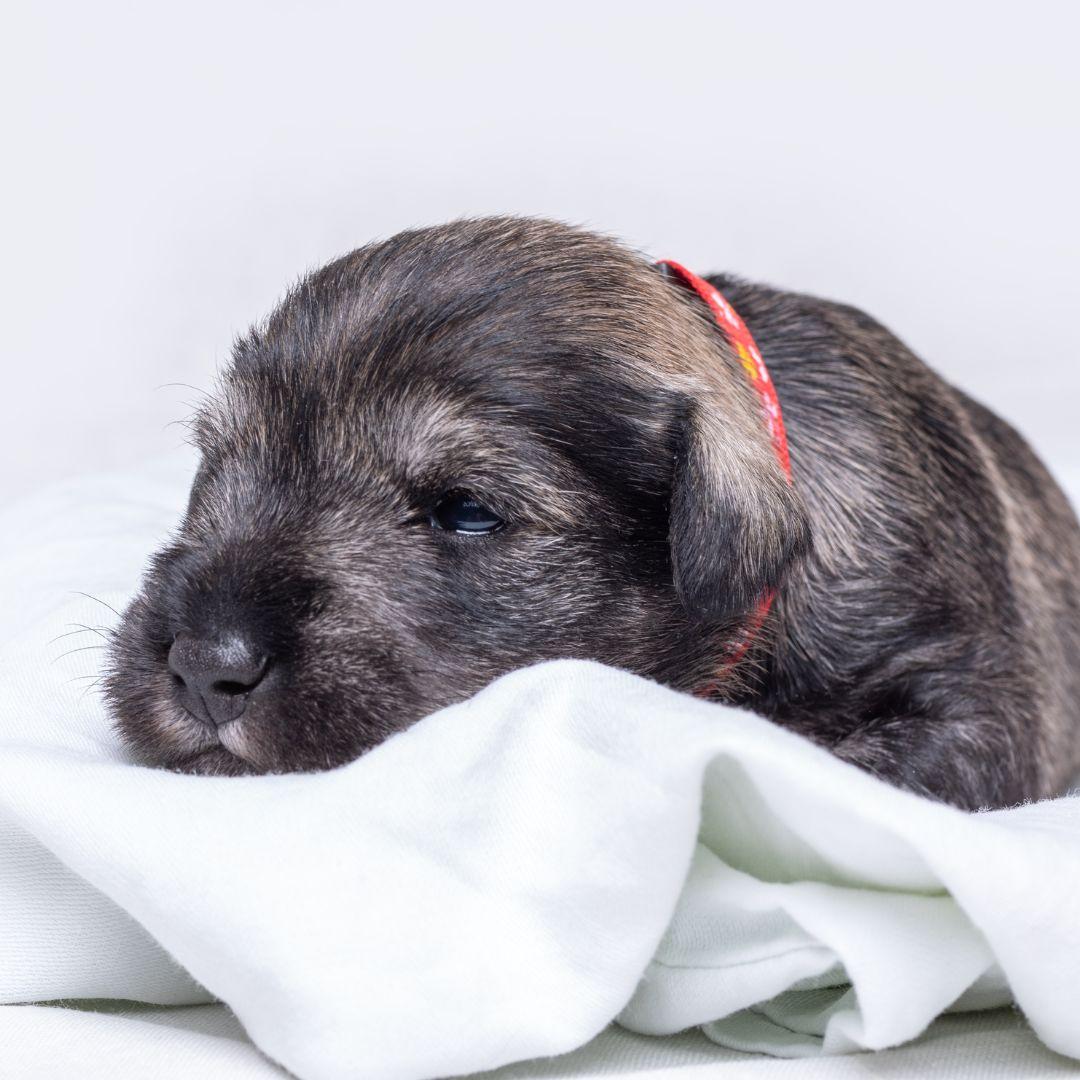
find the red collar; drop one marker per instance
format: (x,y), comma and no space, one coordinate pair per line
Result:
(750,356)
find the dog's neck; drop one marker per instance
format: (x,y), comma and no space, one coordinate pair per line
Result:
(749,354)
(742,341)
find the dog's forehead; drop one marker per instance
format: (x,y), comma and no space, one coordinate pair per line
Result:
(412,421)
(405,374)
(518,346)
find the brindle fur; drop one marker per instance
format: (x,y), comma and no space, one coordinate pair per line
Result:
(927,623)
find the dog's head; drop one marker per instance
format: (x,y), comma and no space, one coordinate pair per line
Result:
(443,457)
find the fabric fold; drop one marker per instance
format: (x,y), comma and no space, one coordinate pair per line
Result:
(500,881)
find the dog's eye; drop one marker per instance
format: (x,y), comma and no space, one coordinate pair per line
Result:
(461,511)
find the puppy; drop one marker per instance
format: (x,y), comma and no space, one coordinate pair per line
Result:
(475,447)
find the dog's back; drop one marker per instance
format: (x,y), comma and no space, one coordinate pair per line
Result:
(934,633)
(1044,563)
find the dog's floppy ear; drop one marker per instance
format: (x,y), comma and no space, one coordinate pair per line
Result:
(736,523)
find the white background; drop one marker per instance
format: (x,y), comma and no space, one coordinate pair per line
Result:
(168,170)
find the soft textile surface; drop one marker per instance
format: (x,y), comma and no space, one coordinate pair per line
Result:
(205,1041)
(494,885)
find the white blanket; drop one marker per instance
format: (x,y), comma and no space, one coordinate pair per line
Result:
(501,881)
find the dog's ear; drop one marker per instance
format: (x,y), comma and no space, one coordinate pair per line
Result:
(736,523)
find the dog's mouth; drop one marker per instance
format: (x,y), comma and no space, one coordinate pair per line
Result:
(225,750)
(216,761)
(172,715)
(233,738)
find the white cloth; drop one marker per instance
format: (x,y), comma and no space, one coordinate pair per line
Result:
(117,1041)
(500,881)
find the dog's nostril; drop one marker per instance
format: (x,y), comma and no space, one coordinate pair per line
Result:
(214,676)
(234,686)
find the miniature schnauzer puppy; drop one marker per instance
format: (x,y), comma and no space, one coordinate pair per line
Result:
(474,447)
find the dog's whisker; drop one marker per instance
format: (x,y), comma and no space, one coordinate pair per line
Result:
(184,386)
(90,686)
(84,648)
(67,634)
(102,631)
(98,600)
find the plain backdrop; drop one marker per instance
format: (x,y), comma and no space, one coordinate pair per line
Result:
(169,169)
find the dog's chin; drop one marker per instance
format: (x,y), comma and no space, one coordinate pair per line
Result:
(159,732)
(180,742)
(216,761)
(233,749)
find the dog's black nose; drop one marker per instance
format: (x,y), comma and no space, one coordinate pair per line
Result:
(214,677)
